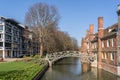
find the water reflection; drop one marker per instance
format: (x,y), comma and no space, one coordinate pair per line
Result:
(70,69)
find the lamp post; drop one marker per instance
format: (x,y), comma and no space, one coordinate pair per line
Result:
(118,12)
(118,37)
(118,42)
(119,7)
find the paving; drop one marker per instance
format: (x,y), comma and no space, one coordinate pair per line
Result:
(11,59)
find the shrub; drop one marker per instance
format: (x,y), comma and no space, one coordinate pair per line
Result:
(31,55)
(36,56)
(24,56)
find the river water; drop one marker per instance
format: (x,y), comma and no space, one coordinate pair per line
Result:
(71,69)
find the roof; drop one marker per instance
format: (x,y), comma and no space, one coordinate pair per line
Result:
(108,32)
(109,35)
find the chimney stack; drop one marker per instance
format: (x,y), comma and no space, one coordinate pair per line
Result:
(91,29)
(100,34)
(91,36)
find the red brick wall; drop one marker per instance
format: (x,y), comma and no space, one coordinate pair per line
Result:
(91,36)
(100,34)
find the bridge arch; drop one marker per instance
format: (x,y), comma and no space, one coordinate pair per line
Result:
(53,57)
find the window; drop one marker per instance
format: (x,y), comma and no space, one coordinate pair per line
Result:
(1,36)
(108,43)
(87,45)
(8,37)
(15,39)
(7,44)
(105,55)
(102,44)
(112,56)
(1,21)
(1,44)
(8,29)
(1,27)
(102,55)
(92,46)
(112,42)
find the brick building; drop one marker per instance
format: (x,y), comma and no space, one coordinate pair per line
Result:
(106,44)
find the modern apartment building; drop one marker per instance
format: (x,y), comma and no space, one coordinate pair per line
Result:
(15,39)
(105,43)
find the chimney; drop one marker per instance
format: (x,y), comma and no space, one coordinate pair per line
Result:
(91,36)
(100,23)
(91,29)
(100,34)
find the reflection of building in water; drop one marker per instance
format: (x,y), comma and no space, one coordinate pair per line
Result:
(105,43)
(104,75)
(86,67)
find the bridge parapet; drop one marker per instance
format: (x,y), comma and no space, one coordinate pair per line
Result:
(52,57)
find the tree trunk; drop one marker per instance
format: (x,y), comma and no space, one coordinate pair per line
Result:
(41,50)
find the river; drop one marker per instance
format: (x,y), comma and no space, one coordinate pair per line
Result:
(71,69)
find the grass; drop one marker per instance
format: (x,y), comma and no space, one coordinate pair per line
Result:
(20,70)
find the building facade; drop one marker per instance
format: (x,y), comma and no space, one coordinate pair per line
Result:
(15,39)
(106,45)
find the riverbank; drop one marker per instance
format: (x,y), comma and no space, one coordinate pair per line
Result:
(22,70)
(42,72)
(71,69)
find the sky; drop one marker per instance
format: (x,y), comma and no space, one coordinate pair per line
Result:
(75,15)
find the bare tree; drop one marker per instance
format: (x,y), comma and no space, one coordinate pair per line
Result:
(40,16)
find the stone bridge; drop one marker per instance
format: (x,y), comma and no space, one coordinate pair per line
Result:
(84,57)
